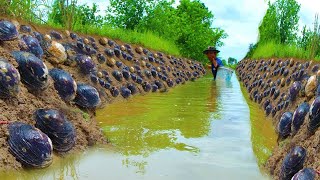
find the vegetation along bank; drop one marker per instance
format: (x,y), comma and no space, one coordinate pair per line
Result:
(54,80)
(288,91)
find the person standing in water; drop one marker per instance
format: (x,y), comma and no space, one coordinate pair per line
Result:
(212,53)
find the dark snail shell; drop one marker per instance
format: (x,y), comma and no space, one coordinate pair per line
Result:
(146,86)
(125,92)
(32,45)
(292,163)
(33,71)
(56,35)
(314,116)
(101,58)
(299,116)
(294,90)
(64,84)
(8,31)
(158,83)
(73,36)
(87,96)
(117,75)
(59,129)
(133,76)
(284,126)
(154,87)
(170,82)
(109,52)
(305,174)
(25,28)
(119,64)
(139,80)
(126,74)
(132,88)
(9,80)
(114,91)
(86,64)
(110,42)
(117,52)
(29,145)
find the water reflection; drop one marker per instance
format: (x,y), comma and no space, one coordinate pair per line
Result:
(197,131)
(263,135)
(61,168)
(157,121)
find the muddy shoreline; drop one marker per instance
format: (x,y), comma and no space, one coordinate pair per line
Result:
(22,107)
(250,72)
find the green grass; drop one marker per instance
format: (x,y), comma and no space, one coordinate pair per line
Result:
(233,66)
(23,10)
(147,39)
(274,50)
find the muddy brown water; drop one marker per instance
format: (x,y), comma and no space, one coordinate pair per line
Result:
(202,130)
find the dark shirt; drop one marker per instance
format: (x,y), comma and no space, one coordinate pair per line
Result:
(215,69)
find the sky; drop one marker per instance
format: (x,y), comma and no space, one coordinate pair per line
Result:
(240,19)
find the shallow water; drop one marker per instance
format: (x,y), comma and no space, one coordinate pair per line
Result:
(201,130)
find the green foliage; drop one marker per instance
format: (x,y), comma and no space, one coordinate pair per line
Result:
(287,13)
(73,16)
(147,39)
(308,46)
(232,66)
(29,10)
(232,61)
(127,13)
(280,23)
(269,29)
(184,30)
(304,40)
(161,20)
(278,34)
(63,13)
(189,25)
(314,41)
(194,28)
(273,49)
(252,48)
(224,62)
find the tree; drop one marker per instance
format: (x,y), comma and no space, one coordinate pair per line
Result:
(63,13)
(252,48)
(232,61)
(74,16)
(280,23)
(161,19)
(127,13)
(305,38)
(224,62)
(195,31)
(189,25)
(287,13)
(269,29)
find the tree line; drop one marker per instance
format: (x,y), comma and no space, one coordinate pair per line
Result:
(280,26)
(189,24)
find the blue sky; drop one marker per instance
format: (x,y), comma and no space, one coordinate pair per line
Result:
(240,19)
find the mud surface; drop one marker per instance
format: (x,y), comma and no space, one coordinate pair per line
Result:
(271,75)
(88,132)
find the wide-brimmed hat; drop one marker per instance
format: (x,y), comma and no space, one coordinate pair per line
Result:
(211,49)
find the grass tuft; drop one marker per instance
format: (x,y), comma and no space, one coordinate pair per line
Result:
(274,50)
(147,39)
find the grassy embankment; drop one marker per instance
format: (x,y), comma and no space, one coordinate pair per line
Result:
(35,12)
(272,50)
